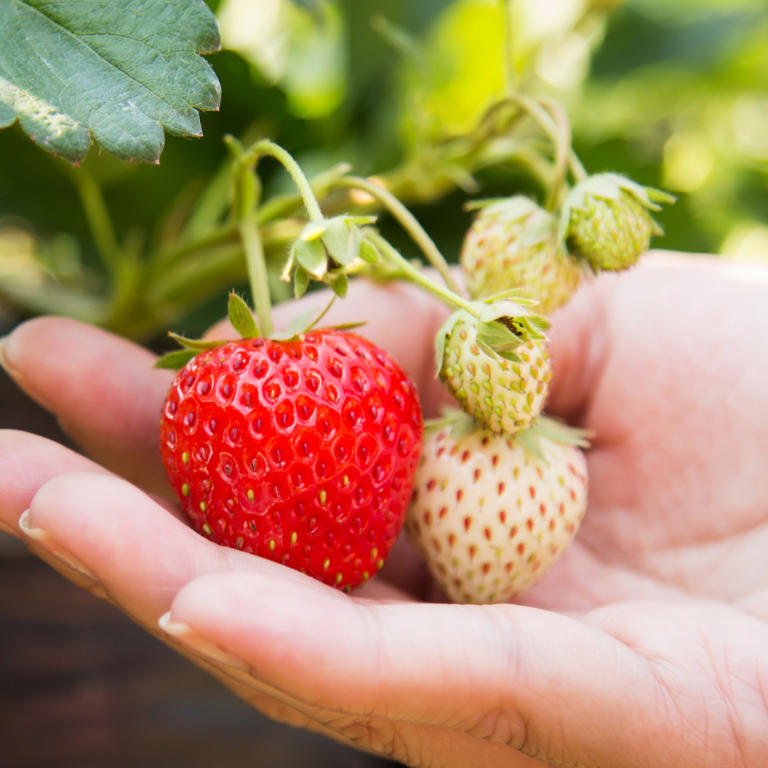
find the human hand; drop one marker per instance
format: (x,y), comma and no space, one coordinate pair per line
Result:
(644,646)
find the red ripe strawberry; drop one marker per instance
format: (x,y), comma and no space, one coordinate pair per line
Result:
(300,451)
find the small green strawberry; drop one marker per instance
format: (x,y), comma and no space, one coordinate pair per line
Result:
(513,245)
(606,220)
(490,514)
(495,365)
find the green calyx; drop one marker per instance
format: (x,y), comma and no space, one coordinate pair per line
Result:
(546,430)
(501,326)
(537,438)
(242,320)
(606,220)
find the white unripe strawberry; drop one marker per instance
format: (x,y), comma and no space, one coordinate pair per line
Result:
(513,245)
(490,514)
(497,370)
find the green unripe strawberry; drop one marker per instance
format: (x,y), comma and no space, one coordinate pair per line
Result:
(513,245)
(497,369)
(606,220)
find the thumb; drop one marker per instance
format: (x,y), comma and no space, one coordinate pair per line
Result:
(466,683)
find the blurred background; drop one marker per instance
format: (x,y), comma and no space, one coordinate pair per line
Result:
(673,93)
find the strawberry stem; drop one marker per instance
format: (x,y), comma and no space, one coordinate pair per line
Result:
(408,222)
(246,190)
(267,147)
(572,160)
(257,273)
(408,272)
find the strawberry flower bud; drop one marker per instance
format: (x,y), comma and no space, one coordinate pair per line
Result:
(325,251)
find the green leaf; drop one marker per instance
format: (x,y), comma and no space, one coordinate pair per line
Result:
(119,73)
(241,317)
(176,359)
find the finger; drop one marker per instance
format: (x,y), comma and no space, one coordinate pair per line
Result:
(504,674)
(102,388)
(398,317)
(580,581)
(28,462)
(138,552)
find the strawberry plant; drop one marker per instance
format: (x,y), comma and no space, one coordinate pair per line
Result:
(303,446)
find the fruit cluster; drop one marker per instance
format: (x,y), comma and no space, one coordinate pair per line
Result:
(308,448)
(497,500)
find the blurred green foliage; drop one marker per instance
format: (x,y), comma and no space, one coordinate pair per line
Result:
(673,93)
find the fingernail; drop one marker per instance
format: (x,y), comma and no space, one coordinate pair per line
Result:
(7,364)
(186,635)
(43,538)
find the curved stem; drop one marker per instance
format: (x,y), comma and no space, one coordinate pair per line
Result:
(267,147)
(571,161)
(408,222)
(562,152)
(413,275)
(246,192)
(552,119)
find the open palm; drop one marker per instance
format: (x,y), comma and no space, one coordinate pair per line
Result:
(646,645)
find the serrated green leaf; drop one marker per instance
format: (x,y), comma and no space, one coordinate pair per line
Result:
(241,317)
(176,359)
(300,282)
(196,344)
(119,73)
(311,255)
